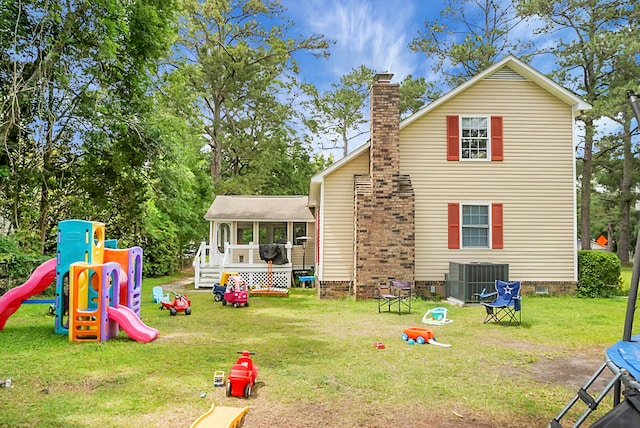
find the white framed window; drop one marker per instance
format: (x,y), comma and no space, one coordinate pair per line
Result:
(244,232)
(272,232)
(476,226)
(474,138)
(299,231)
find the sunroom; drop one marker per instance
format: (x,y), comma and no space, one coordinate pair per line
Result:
(240,225)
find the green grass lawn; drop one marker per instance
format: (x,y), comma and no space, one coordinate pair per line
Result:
(626,276)
(318,365)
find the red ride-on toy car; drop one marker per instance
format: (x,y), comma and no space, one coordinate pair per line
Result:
(236,293)
(242,376)
(180,303)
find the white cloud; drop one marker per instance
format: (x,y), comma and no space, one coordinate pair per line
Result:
(370,33)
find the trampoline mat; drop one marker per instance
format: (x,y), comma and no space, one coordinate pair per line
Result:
(626,355)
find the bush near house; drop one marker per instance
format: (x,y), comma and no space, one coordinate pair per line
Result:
(598,274)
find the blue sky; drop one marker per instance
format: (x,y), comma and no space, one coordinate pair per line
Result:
(373,33)
(377,33)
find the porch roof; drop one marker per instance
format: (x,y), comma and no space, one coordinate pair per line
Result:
(259,208)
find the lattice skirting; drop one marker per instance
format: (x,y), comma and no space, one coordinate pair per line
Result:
(260,279)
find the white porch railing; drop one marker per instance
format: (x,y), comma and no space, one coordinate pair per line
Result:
(245,259)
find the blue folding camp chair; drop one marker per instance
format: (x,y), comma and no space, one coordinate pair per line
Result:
(507,304)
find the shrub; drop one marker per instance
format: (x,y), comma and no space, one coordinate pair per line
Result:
(598,274)
(159,244)
(16,265)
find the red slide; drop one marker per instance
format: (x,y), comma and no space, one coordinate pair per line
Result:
(38,281)
(132,324)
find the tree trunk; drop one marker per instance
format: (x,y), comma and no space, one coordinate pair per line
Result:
(610,238)
(585,205)
(626,197)
(214,142)
(345,144)
(47,169)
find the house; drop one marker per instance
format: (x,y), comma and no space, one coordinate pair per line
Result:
(484,175)
(238,225)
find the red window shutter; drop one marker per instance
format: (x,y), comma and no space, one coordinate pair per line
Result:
(454,225)
(453,138)
(497,151)
(497,229)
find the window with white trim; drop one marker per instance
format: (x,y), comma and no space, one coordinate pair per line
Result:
(474,137)
(475,226)
(272,232)
(245,232)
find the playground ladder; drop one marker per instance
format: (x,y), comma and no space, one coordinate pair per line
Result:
(583,394)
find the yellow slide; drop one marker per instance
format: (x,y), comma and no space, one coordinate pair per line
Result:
(221,417)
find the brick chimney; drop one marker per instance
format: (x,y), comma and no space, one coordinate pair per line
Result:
(384,200)
(384,154)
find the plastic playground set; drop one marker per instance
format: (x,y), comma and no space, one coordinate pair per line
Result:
(98,286)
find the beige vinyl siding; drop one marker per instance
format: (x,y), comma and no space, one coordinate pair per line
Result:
(337,220)
(535,182)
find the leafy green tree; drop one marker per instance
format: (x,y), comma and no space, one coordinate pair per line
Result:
(159,243)
(234,57)
(75,103)
(616,169)
(180,185)
(599,41)
(340,114)
(414,94)
(470,36)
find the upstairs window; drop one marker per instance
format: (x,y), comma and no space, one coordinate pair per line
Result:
(475,138)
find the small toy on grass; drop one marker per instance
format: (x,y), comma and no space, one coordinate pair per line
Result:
(236,293)
(436,316)
(378,345)
(242,376)
(180,303)
(218,378)
(219,288)
(421,335)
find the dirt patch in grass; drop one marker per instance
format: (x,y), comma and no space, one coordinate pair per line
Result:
(572,372)
(352,414)
(183,286)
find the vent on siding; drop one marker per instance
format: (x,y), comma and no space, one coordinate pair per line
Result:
(505,73)
(404,184)
(362,184)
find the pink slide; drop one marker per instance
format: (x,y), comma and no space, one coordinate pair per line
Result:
(131,324)
(38,281)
